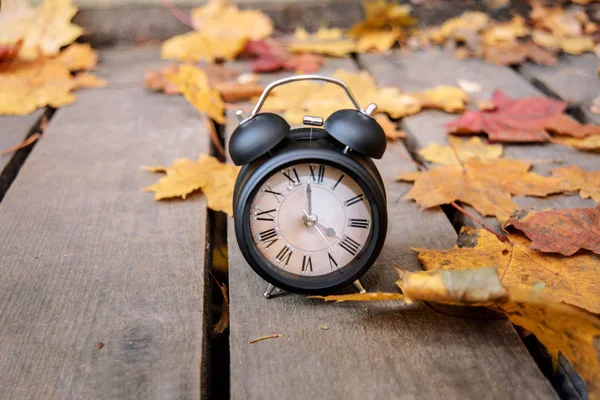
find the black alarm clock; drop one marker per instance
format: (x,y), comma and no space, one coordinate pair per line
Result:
(309,204)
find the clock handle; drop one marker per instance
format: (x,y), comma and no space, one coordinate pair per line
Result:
(297,78)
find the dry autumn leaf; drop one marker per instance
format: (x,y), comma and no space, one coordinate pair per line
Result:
(383,14)
(214,178)
(562,328)
(333,48)
(219,18)
(78,57)
(43,30)
(26,86)
(390,128)
(460,151)
(321,34)
(196,46)
(485,185)
(561,231)
(568,279)
(562,124)
(512,120)
(590,143)
(380,40)
(272,56)
(467,21)
(194,85)
(574,178)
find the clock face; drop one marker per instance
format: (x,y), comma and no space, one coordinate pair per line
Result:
(310,219)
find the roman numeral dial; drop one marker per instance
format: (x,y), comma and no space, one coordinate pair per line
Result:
(310,219)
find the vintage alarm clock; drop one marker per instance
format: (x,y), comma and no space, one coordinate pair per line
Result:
(309,204)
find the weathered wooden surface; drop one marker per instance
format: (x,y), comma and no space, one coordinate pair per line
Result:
(13,130)
(421,70)
(88,259)
(575,79)
(374,350)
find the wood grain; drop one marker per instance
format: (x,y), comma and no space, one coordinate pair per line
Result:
(102,290)
(13,130)
(373,350)
(574,79)
(421,70)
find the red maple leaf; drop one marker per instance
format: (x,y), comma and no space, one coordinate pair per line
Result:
(272,56)
(511,120)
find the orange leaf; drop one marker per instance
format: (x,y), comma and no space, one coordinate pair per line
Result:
(562,124)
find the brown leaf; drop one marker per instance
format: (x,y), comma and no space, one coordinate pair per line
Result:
(513,120)
(272,57)
(9,52)
(573,178)
(562,124)
(43,30)
(486,185)
(223,322)
(215,179)
(561,231)
(572,280)
(158,82)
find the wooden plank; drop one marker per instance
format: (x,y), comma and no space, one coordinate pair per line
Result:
(375,350)
(86,259)
(421,70)
(575,79)
(13,130)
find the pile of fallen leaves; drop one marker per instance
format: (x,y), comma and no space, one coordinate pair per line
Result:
(547,33)
(474,273)
(35,70)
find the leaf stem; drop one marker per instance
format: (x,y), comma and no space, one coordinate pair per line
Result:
(478,221)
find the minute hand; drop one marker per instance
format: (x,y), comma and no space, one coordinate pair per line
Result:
(330,231)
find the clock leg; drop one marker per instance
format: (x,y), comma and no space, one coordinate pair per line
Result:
(267,294)
(359,286)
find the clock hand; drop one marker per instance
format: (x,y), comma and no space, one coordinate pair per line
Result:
(319,232)
(330,231)
(309,195)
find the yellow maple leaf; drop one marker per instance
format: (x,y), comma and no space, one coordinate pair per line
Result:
(467,21)
(219,18)
(560,327)
(487,185)
(214,178)
(574,178)
(24,87)
(590,143)
(505,32)
(321,34)
(78,57)
(383,14)
(44,30)
(193,84)
(448,98)
(380,40)
(577,45)
(390,128)
(570,279)
(196,46)
(334,48)
(460,151)
(85,80)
